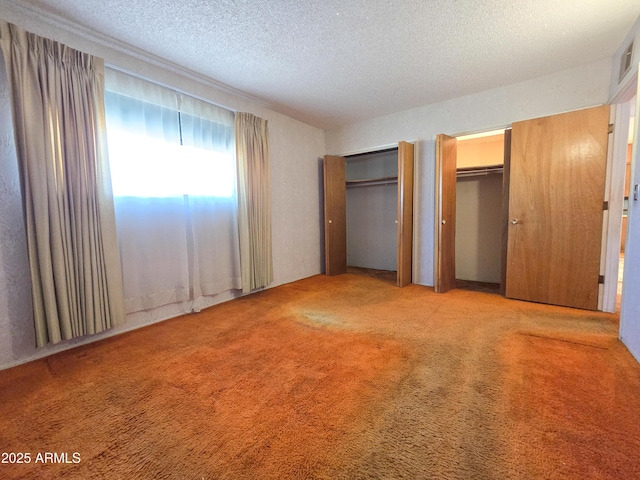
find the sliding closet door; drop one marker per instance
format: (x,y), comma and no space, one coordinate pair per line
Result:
(405,212)
(445,248)
(557,184)
(335,215)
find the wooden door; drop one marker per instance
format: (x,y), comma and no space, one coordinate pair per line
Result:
(405,212)
(445,248)
(557,184)
(506,168)
(335,215)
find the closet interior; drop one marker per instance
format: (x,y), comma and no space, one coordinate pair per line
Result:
(479,190)
(368,201)
(372,208)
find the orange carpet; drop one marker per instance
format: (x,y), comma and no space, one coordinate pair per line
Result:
(335,377)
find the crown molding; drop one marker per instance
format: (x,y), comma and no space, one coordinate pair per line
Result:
(127,49)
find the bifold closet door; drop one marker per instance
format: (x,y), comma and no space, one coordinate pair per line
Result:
(506,169)
(445,248)
(405,212)
(335,215)
(556,194)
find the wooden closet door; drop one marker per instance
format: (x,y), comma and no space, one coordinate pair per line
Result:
(557,184)
(505,210)
(335,215)
(445,248)
(405,212)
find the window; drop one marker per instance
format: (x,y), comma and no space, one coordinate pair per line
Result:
(173,176)
(159,151)
(143,167)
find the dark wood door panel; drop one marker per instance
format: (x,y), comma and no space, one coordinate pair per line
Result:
(335,215)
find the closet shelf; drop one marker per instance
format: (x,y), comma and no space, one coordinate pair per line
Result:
(475,171)
(369,182)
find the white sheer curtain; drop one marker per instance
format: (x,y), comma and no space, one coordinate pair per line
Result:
(173,170)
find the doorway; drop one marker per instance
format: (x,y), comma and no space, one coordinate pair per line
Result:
(555,168)
(372,208)
(479,193)
(470,217)
(626,199)
(367,174)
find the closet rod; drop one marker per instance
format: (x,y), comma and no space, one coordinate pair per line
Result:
(372,182)
(477,171)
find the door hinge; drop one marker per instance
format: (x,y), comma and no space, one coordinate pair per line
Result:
(610,128)
(605,206)
(600,279)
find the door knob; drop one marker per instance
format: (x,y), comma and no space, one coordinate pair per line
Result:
(514,221)
(444,222)
(329,221)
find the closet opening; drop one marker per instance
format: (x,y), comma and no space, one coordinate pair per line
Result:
(479,217)
(517,235)
(372,208)
(368,212)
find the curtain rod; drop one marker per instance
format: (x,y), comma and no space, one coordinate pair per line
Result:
(164,85)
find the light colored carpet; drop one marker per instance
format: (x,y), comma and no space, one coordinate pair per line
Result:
(337,377)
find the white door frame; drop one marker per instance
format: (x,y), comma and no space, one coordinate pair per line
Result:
(614,195)
(629,318)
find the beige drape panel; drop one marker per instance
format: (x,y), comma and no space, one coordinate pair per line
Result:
(57,98)
(254,201)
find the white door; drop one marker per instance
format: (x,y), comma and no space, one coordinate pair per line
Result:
(630,308)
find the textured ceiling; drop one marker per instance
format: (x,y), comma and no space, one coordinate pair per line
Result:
(334,62)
